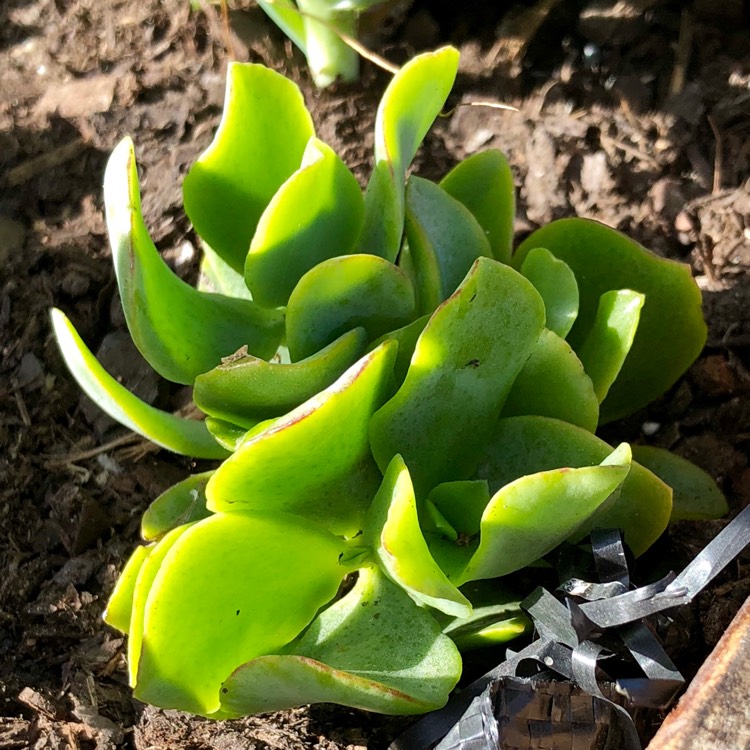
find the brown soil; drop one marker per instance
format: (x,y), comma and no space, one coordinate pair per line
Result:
(632,113)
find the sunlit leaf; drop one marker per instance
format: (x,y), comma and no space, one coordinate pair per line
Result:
(120,604)
(406,337)
(231,588)
(392,529)
(374,649)
(186,436)
(344,293)
(444,240)
(605,349)
(227,434)
(671,332)
(557,284)
(461,372)
(180,331)
(408,108)
(696,495)
(260,141)
(217,276)
(315,215)
(553,383)
(184,502)
(315,461)
(246,390)
(484,184)
(529,517)
(524,445)
(285,15)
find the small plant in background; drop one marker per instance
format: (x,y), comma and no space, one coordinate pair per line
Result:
(398,400)
(323,30)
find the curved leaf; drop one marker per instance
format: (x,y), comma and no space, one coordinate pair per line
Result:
(344,293)
(247,389)
(259,143)
(315,215)
(184,502)
(406,338)
(285,15)
(605,349)
(120,605)
(227,434)
(219,277)
(444,240)
(186,436)
(374,649)
(557,284)
(529,517)
(525,445)
(484,184)
(461,504)
(553,383)
(412,101)
(461,372)
(671,332)
(180,331)
(696,495)
(315,461)
(231,588)
(392,529)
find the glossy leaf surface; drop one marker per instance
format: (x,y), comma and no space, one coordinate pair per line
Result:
(227,434)
(246,390)
(186,436)
(259,143)
(605,348)
(184,502)
(315,461)
(374,649)
(444,240)
(671,332)
(553,383)
(696,495)
(231,588)
(525,445)
(180,331)
(408,108)
(529,517)
(217,276)
(461,371)
(345,293)
(483,182)
(315,215)
(392,529)
(557,284)
(120,604)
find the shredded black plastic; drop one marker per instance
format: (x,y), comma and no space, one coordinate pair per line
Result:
(591,623)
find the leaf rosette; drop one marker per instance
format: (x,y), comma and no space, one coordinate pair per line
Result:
(405,409)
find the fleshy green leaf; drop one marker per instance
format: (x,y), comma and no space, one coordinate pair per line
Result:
(227,434)
(247,389)
(462,504)
(671,332)
(525,445)
(316,215)
(696,495)
(180,331)
(392,529)
(461,372)
(259,144)
(315,461)
(553,383)
(120,604)
(529,517)
(496,617)
(217,276)
(408,108)
(285,15)
(374,649)
(444,240)
(184,502)
(186,436)
(232,587)
(406,338)
(344,293)
(484,184)
(604,351)
(557,284)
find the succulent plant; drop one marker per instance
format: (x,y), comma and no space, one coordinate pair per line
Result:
(404,408)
